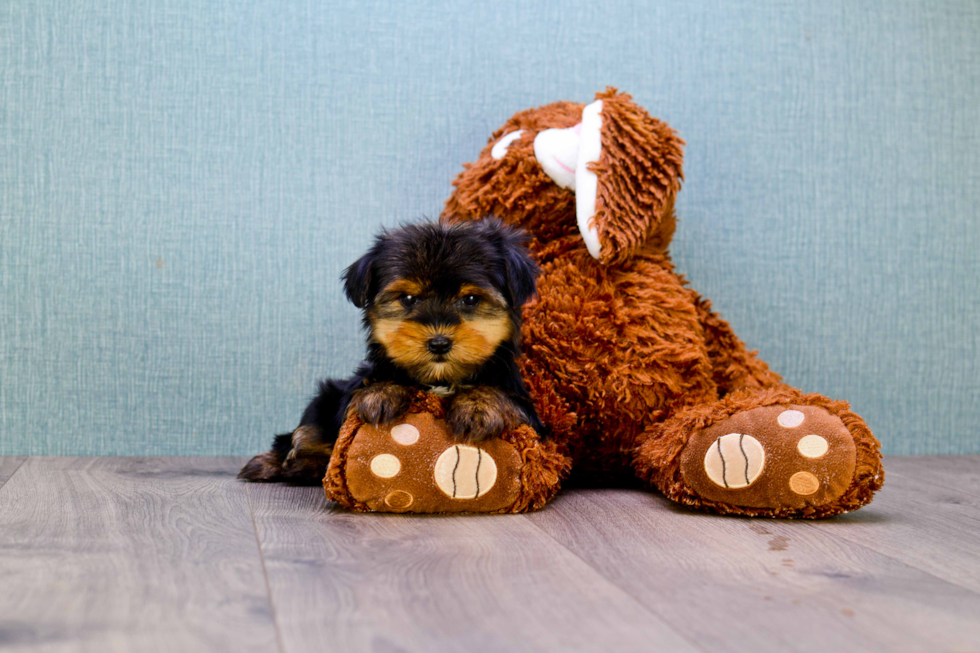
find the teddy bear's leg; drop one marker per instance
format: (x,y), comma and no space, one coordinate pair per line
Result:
(772,453)
(733,366)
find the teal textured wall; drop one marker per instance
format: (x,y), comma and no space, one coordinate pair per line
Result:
(182,183)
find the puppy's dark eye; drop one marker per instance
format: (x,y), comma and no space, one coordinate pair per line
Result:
(408,301)
(471,301)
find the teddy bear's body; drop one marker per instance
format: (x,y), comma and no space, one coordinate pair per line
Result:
(628,346)
(631,371)
(660,386)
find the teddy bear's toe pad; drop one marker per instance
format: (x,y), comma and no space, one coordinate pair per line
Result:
(772,457)
(416,465)
(465,472)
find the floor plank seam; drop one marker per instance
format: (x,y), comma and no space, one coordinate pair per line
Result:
(265,572)
(14,473)
(643,605)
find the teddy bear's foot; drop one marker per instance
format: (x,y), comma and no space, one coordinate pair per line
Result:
(415,464)
(772,457)
(806,457)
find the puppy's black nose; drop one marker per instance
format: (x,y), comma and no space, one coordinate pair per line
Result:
(439,345)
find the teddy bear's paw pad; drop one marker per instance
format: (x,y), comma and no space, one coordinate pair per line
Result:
(416,466)
(385,465)
(734,460)
(465,472)
(771,457)
(399,500)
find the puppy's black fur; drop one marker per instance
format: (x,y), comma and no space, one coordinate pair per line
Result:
(442,307)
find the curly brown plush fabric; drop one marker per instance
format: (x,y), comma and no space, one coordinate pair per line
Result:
(631,367)
(640,174)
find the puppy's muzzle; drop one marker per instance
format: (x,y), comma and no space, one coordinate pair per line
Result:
(439,345)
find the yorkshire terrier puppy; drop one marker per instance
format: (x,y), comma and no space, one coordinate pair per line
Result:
(442,308)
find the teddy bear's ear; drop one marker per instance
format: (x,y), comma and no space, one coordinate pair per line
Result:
(627,176)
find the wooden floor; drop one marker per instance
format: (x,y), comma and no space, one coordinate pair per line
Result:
(174,554)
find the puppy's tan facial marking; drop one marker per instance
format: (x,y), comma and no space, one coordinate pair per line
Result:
(486,294)
(404,341)
(404,287)
(476,339)
(390,301)
(474,318)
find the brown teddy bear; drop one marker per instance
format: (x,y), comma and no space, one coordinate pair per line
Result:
(631,370)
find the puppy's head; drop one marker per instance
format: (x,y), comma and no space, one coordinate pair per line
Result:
(440,298)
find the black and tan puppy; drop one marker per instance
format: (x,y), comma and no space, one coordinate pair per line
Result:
(442,307)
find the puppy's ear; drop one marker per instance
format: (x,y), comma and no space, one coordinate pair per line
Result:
(358,278)
(522,272)
(519,270)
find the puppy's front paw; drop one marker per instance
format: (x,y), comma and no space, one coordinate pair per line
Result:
(381,403)
(482,413)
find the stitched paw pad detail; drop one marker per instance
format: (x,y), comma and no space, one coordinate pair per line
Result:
(465,472)
(734,460)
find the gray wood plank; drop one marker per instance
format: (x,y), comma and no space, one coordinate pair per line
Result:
(8,466)
(364,582)
(738,584)
(961,473)
(934,528)
(124,554)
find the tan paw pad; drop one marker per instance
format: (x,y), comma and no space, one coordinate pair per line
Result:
(812,446)
(734,460)
(465,472)
(385,465)
(790,419)
(804,483)
(405,434)
(399,500)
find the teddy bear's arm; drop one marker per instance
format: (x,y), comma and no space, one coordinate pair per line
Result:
(733,366)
